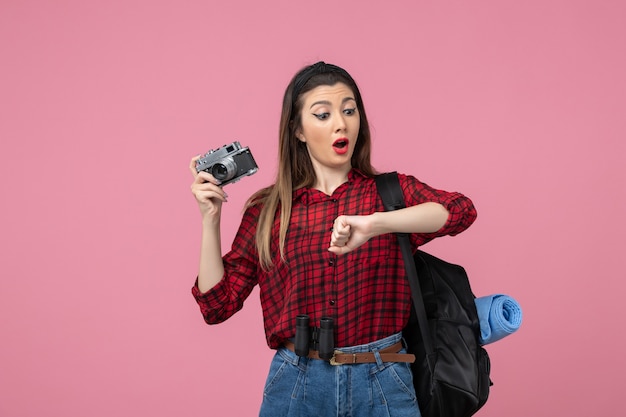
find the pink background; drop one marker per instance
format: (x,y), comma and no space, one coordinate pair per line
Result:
(520,105)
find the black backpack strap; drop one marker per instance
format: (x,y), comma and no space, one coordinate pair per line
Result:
(390,192)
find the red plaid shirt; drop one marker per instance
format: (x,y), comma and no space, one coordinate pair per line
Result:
(365,291)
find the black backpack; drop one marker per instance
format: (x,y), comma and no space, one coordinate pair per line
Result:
(451,370)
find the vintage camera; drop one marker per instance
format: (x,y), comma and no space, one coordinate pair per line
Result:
(228,163)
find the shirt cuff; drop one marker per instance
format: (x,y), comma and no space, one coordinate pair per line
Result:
(213,298)
(461,214)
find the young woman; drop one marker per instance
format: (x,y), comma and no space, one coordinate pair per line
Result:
(318,242)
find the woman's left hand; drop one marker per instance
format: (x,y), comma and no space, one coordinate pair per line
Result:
(350,232)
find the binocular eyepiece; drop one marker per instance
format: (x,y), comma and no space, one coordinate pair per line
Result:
(323,337)
(303,335)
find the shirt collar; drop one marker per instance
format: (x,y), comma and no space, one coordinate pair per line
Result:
(305,193)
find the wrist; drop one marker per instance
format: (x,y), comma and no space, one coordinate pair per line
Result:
(377,224)
(210,221)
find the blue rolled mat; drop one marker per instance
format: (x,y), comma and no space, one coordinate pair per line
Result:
(499,315)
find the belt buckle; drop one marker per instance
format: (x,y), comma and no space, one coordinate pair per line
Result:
(333,362)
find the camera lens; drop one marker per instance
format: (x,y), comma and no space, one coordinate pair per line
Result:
(224,169)
(220,171)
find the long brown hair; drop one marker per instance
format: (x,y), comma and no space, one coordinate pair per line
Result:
(295,169)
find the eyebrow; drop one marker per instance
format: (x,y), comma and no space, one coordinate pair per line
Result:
(328,103)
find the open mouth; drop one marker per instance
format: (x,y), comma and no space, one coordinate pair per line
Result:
(340,143)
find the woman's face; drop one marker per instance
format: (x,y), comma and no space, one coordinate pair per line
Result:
(329,126)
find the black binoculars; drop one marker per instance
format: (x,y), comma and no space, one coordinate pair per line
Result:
(323,337)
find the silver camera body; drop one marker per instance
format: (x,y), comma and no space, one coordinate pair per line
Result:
(228,163)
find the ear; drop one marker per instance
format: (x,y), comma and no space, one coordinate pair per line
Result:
(297,133)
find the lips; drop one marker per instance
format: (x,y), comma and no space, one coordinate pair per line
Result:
(341,145)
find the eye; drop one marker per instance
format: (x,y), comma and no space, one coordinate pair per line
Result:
(350,112)
(321,116)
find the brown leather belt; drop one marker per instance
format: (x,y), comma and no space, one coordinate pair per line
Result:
(389,354)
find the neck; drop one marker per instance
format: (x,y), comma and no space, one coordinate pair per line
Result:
(328,181)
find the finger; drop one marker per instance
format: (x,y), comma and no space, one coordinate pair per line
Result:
(339,250)
(200,186)
(192,165)
(344,231)
(211,195)
(341,233)
(340,240)
(203,177)
(341,222)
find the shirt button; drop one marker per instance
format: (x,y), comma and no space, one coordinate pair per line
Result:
(331,302)
(331,262)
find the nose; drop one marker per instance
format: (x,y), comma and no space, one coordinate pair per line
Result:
(340,122)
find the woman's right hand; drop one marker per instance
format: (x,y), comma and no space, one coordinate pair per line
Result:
(210,197)
(207,191)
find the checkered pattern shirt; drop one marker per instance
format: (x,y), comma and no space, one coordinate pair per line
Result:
(366,291)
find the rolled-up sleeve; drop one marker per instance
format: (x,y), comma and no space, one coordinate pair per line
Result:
(240,275)
(462,212)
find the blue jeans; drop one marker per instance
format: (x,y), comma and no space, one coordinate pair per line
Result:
(303,387)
